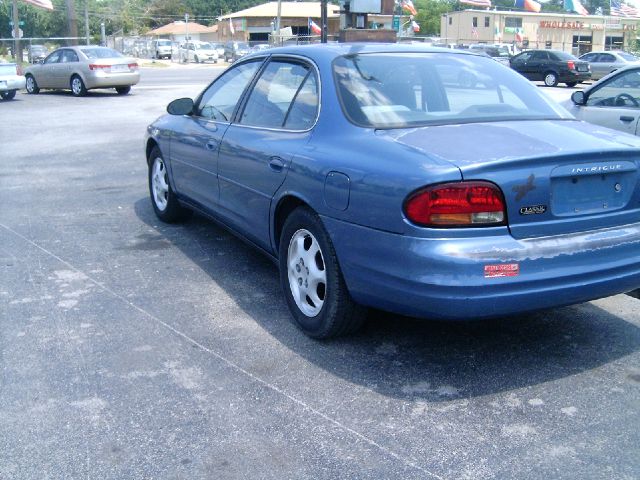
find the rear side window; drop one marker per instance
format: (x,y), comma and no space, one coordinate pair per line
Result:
(285,95)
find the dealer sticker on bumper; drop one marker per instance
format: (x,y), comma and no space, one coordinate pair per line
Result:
(502,270)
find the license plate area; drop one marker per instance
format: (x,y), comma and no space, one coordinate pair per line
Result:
(582,190)
(119,68)
(583,68)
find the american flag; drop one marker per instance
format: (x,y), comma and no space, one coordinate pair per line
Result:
(477,3)
(620,8)
(46,4)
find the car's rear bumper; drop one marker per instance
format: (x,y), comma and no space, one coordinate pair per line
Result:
(109,80)
(575,77)
(484,276)
(12,83)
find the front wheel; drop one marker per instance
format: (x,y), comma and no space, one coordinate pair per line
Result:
(123,90)
(31,85)
(164,201)
(311,279)
(551,79)
(8,95)
(77,87)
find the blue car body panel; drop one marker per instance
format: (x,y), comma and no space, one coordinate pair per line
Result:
(572,193)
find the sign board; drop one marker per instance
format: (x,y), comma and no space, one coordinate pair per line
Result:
(20,33)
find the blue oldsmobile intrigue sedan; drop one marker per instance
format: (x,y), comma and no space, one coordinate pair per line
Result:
(432,183)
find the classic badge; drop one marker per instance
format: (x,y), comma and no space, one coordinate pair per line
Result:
(533,210)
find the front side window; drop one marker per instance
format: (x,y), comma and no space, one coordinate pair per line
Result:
(219,100)
(410,89)
(54,57)
(622,91)
(280,97)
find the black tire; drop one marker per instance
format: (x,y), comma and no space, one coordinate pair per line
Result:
(551,79)
(8,95)
(77,86)
(169,210)
(32,85)
(123,90)
(196,59)
(336,313)
(571,84)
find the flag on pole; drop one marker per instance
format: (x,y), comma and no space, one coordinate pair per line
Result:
(231,29)
(46,4)
(415,25)
(620,8)
(528,5)
(477,3)
(314,27)
(575,6)
(408,6)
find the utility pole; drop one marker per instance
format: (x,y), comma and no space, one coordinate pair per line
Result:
(72,21)
(323,21)
(86,20)
(17,51)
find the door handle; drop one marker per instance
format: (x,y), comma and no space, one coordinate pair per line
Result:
(212,145)
(276,164)
(626,119)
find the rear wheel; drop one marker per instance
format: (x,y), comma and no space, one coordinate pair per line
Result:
(164,201)
(551,79)
(31,85)
(77,86)
(571,84)
(123,90)
(9,95)
(312,281)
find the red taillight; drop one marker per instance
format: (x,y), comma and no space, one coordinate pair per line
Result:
(464,204)
(571,65)
(133,66)
(19,70)
(94,66)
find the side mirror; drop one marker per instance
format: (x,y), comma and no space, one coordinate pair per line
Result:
(579,98)
(181,106)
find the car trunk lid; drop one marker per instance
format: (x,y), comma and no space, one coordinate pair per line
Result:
(557,176)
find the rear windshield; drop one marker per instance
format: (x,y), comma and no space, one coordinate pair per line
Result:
(563,56)
(412,89)
(100,52)
(628,56)
(9,69)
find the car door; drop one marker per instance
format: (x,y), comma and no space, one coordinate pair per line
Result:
(45,73)
(537,65)
(256,151)
(68,63)
(615,103)
(519,62)
(194,146)
(604,64)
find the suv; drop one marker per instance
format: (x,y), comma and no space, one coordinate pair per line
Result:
(551,66)
(234,50)
(36,53)
(11,80)
(500,53)
(161,48)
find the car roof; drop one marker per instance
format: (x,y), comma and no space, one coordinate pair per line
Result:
(327,51)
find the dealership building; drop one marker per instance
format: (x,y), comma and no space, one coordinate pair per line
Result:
(571,33)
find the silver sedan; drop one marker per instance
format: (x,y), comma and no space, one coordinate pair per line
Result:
(603,63)
(83,68)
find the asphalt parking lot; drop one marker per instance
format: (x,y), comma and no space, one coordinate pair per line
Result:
(134,349)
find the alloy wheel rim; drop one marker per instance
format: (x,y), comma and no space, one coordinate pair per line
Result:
(75,85)
(307,273)
(159,184)
(30,84)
